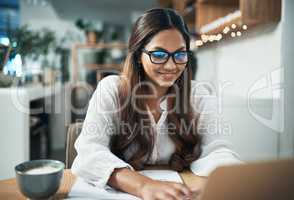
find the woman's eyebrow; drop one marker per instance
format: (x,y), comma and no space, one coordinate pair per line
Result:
(162,49)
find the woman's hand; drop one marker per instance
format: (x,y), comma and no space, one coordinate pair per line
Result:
(164,190)
(197,185)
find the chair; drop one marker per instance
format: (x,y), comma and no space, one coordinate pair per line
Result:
(73,132)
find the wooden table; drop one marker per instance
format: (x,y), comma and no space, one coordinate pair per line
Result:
(9,189)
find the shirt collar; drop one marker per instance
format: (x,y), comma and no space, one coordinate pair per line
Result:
(163,104)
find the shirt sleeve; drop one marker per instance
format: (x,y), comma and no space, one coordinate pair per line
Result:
(216,149)
(94,161)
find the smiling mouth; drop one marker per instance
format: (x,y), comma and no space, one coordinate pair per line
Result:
(168,73)
(167,76)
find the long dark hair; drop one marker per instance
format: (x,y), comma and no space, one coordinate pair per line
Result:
(187,141)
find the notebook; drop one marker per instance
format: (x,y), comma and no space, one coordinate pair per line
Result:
(83,190)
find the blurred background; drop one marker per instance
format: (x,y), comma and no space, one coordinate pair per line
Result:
(53,53)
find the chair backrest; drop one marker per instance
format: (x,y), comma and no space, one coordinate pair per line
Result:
(73,132)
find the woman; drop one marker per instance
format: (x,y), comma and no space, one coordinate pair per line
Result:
(151,114)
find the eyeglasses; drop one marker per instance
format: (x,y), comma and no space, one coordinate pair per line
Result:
(161,56)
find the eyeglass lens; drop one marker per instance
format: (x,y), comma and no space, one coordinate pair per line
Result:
(160,57)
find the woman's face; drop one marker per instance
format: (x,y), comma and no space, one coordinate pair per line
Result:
(164,75)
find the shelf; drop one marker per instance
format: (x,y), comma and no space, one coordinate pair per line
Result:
(261,11)
(96,66)
(165,3)
(189,13)
(101,46)
(103,66)
(217,26)
(184,7)
(219,2)
(209,13)
(213,17)
(189,3)
(32,91)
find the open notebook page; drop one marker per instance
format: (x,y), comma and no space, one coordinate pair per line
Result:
(83,190)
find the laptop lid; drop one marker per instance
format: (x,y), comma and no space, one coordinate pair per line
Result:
(269,180)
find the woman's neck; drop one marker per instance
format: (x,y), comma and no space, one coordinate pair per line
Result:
(154,102)
(160,92)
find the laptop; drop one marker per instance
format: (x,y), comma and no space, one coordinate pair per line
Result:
(268,180)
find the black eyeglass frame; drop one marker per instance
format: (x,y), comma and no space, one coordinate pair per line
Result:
(189,53)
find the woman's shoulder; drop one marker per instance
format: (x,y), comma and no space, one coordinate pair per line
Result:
(109,84)
(110,81)
(107,88)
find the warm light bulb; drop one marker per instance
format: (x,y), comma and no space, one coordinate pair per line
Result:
(239,33)
(199,43)
(226,30)
(244,27)
(211,38)
(204,38)
(219,37)
(233,34)
(234,26)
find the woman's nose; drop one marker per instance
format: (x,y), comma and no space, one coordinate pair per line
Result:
(170,64)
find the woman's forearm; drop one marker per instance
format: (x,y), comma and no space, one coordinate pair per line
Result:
(128,181)
(146,188)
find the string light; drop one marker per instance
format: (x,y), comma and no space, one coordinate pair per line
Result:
(219,37)
(226,30)
(199,43)
(212,38)
(204,38)
(220,21)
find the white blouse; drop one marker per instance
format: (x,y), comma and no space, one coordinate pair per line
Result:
(95,162)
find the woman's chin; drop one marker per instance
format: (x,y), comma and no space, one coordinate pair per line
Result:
(166,80)
(165,83)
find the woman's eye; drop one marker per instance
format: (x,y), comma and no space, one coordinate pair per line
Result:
(182,56)
(159,55)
